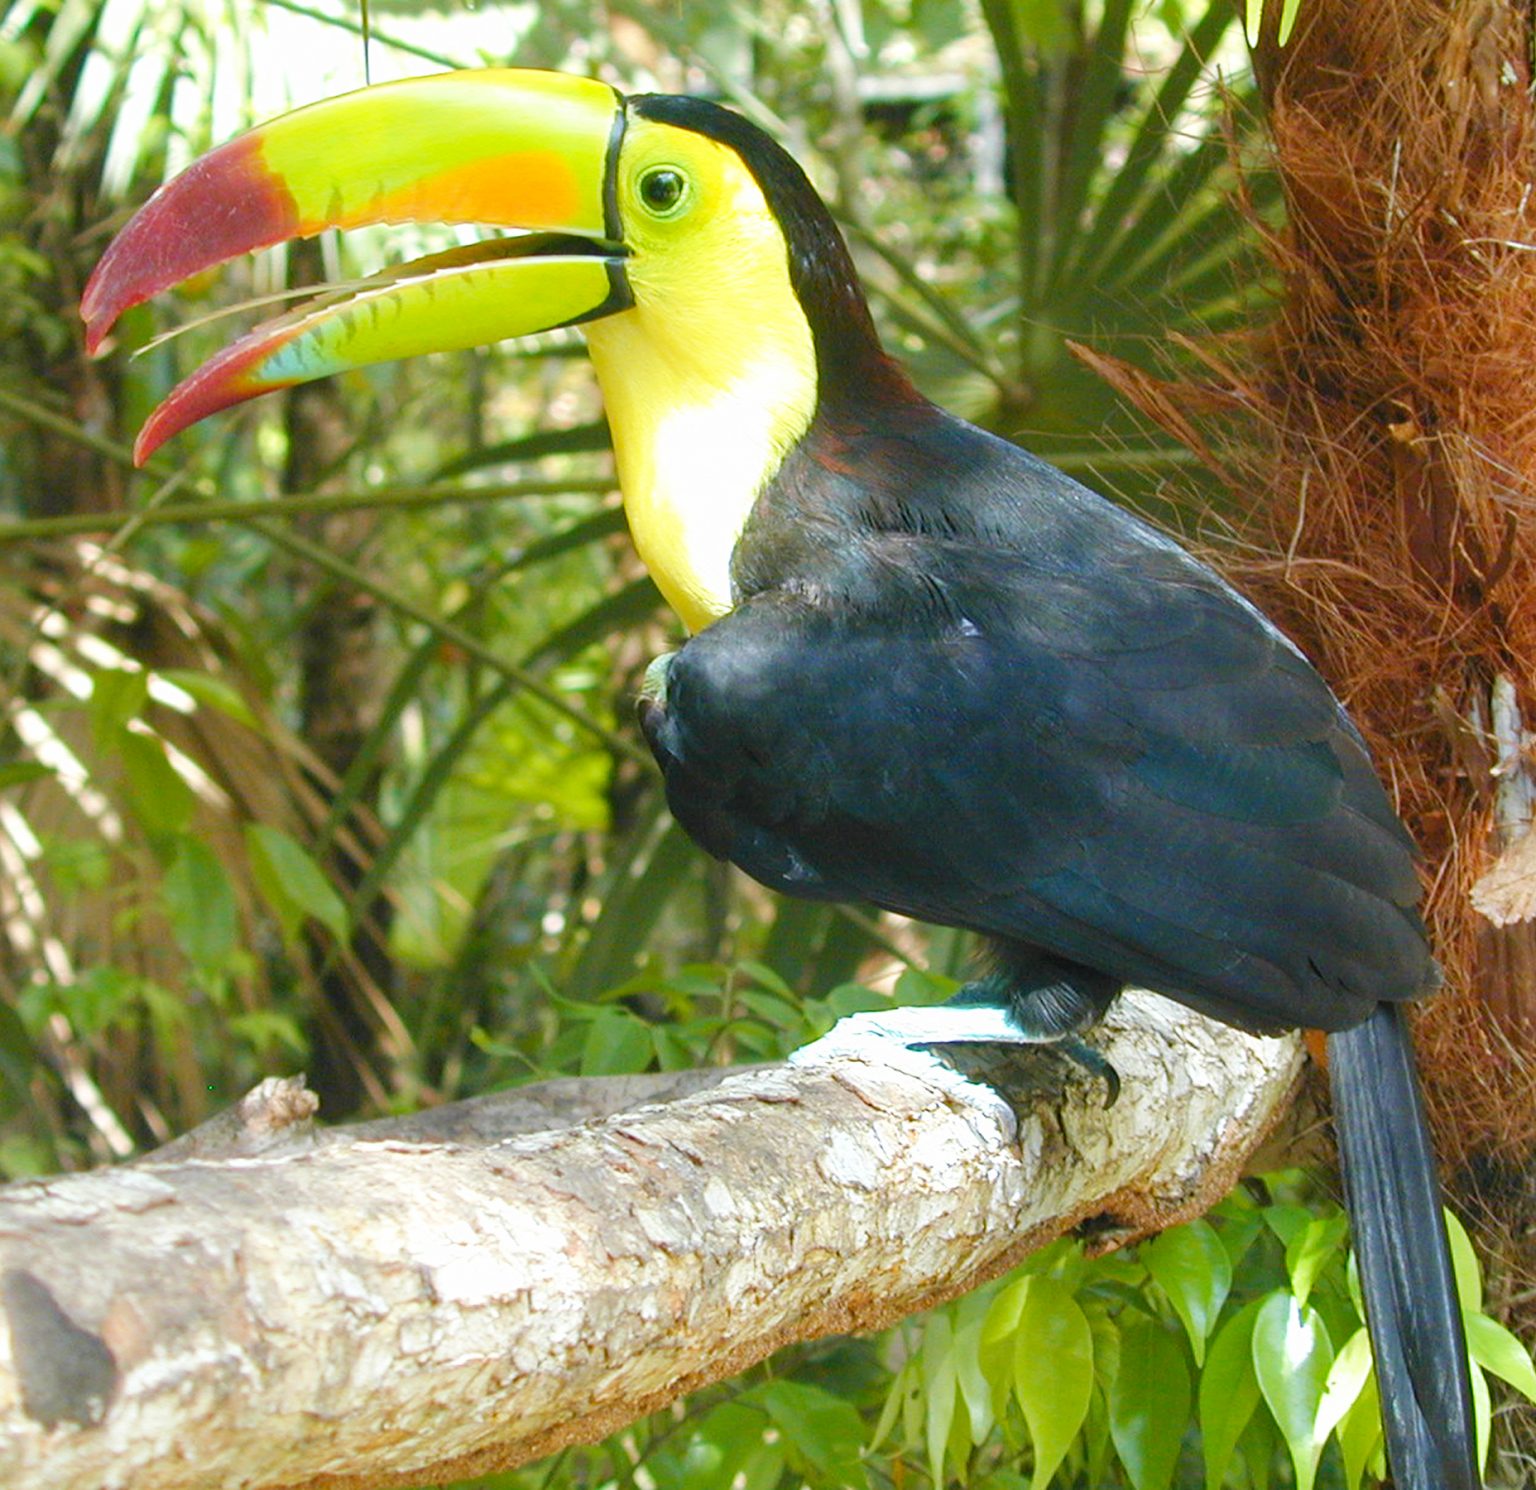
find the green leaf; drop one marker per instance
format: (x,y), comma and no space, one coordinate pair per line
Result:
(1229,1392)
(1257,1447)
(1149,1404)
(1097,1442)
(939,1389)
(201,905)
(765,976)
(269,1033)
(23,773)
(161,800)
(939,22)
(731,1445)
(1052,1371)
(215,693)
(1096,1438)
(1291,1356)
(117,695)
(1497,1350)
(825,1431)
(904,1386)
(19,1057)
(292,883)
(1191,1266)
(1464,1263)
(617,1044)
(1237,1232)
(1287,1221)
(99,998)
(1310,1250)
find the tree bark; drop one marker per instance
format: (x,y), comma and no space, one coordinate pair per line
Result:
(444,1296)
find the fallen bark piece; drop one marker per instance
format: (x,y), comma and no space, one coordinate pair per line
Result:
(384,1309)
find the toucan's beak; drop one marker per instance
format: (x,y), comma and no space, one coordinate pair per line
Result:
(503,147)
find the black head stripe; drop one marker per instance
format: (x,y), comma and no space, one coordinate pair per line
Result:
(613,225)
(820,269)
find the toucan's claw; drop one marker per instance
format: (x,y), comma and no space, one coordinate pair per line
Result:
(1095,1063)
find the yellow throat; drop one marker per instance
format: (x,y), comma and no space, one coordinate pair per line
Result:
(710,378)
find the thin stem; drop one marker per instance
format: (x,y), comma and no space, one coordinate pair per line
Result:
(351,575)
(28,530)
(371,33)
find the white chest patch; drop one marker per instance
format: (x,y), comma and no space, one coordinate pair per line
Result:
(693,455)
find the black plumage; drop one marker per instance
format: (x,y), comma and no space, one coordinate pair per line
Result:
(961,686)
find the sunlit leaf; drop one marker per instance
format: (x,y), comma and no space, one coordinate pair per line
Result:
(1346,1381)
(1052,1371)
(1291,1356)
(1482,1413)
(1309,1251)
(1191,1266)
(997,1338)
(1361,1440)
(1464,1263)
(975,1390)
(1497,1350)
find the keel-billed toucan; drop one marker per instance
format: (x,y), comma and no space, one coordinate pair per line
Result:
(927,670)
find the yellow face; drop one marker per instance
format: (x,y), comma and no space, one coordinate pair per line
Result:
(711,377)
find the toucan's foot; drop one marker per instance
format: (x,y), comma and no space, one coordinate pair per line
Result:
(978,1038)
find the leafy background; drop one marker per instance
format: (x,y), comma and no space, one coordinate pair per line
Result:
(318,750)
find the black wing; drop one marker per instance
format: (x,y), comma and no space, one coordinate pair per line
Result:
(1108,755)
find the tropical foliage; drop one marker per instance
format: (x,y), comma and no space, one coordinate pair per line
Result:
(317,750)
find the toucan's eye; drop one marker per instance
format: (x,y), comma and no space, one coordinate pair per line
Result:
(663,189)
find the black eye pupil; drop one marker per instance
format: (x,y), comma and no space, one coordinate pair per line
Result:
(662,189)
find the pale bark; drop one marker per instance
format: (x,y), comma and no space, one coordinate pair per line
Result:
(371,1308)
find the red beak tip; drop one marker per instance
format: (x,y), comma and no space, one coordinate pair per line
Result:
(149,441)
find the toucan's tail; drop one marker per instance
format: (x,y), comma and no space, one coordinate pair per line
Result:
(1411,1307)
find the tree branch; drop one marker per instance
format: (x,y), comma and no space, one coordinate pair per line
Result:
(453,1294)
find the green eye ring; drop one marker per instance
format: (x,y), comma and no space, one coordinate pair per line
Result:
(663,191)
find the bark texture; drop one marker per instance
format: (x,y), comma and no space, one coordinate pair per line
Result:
(405,1304)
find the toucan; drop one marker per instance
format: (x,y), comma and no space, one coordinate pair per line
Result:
(925,669)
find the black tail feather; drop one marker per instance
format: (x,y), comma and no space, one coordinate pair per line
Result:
(1404,1258)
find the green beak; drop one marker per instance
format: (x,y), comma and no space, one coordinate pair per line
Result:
(504,147)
